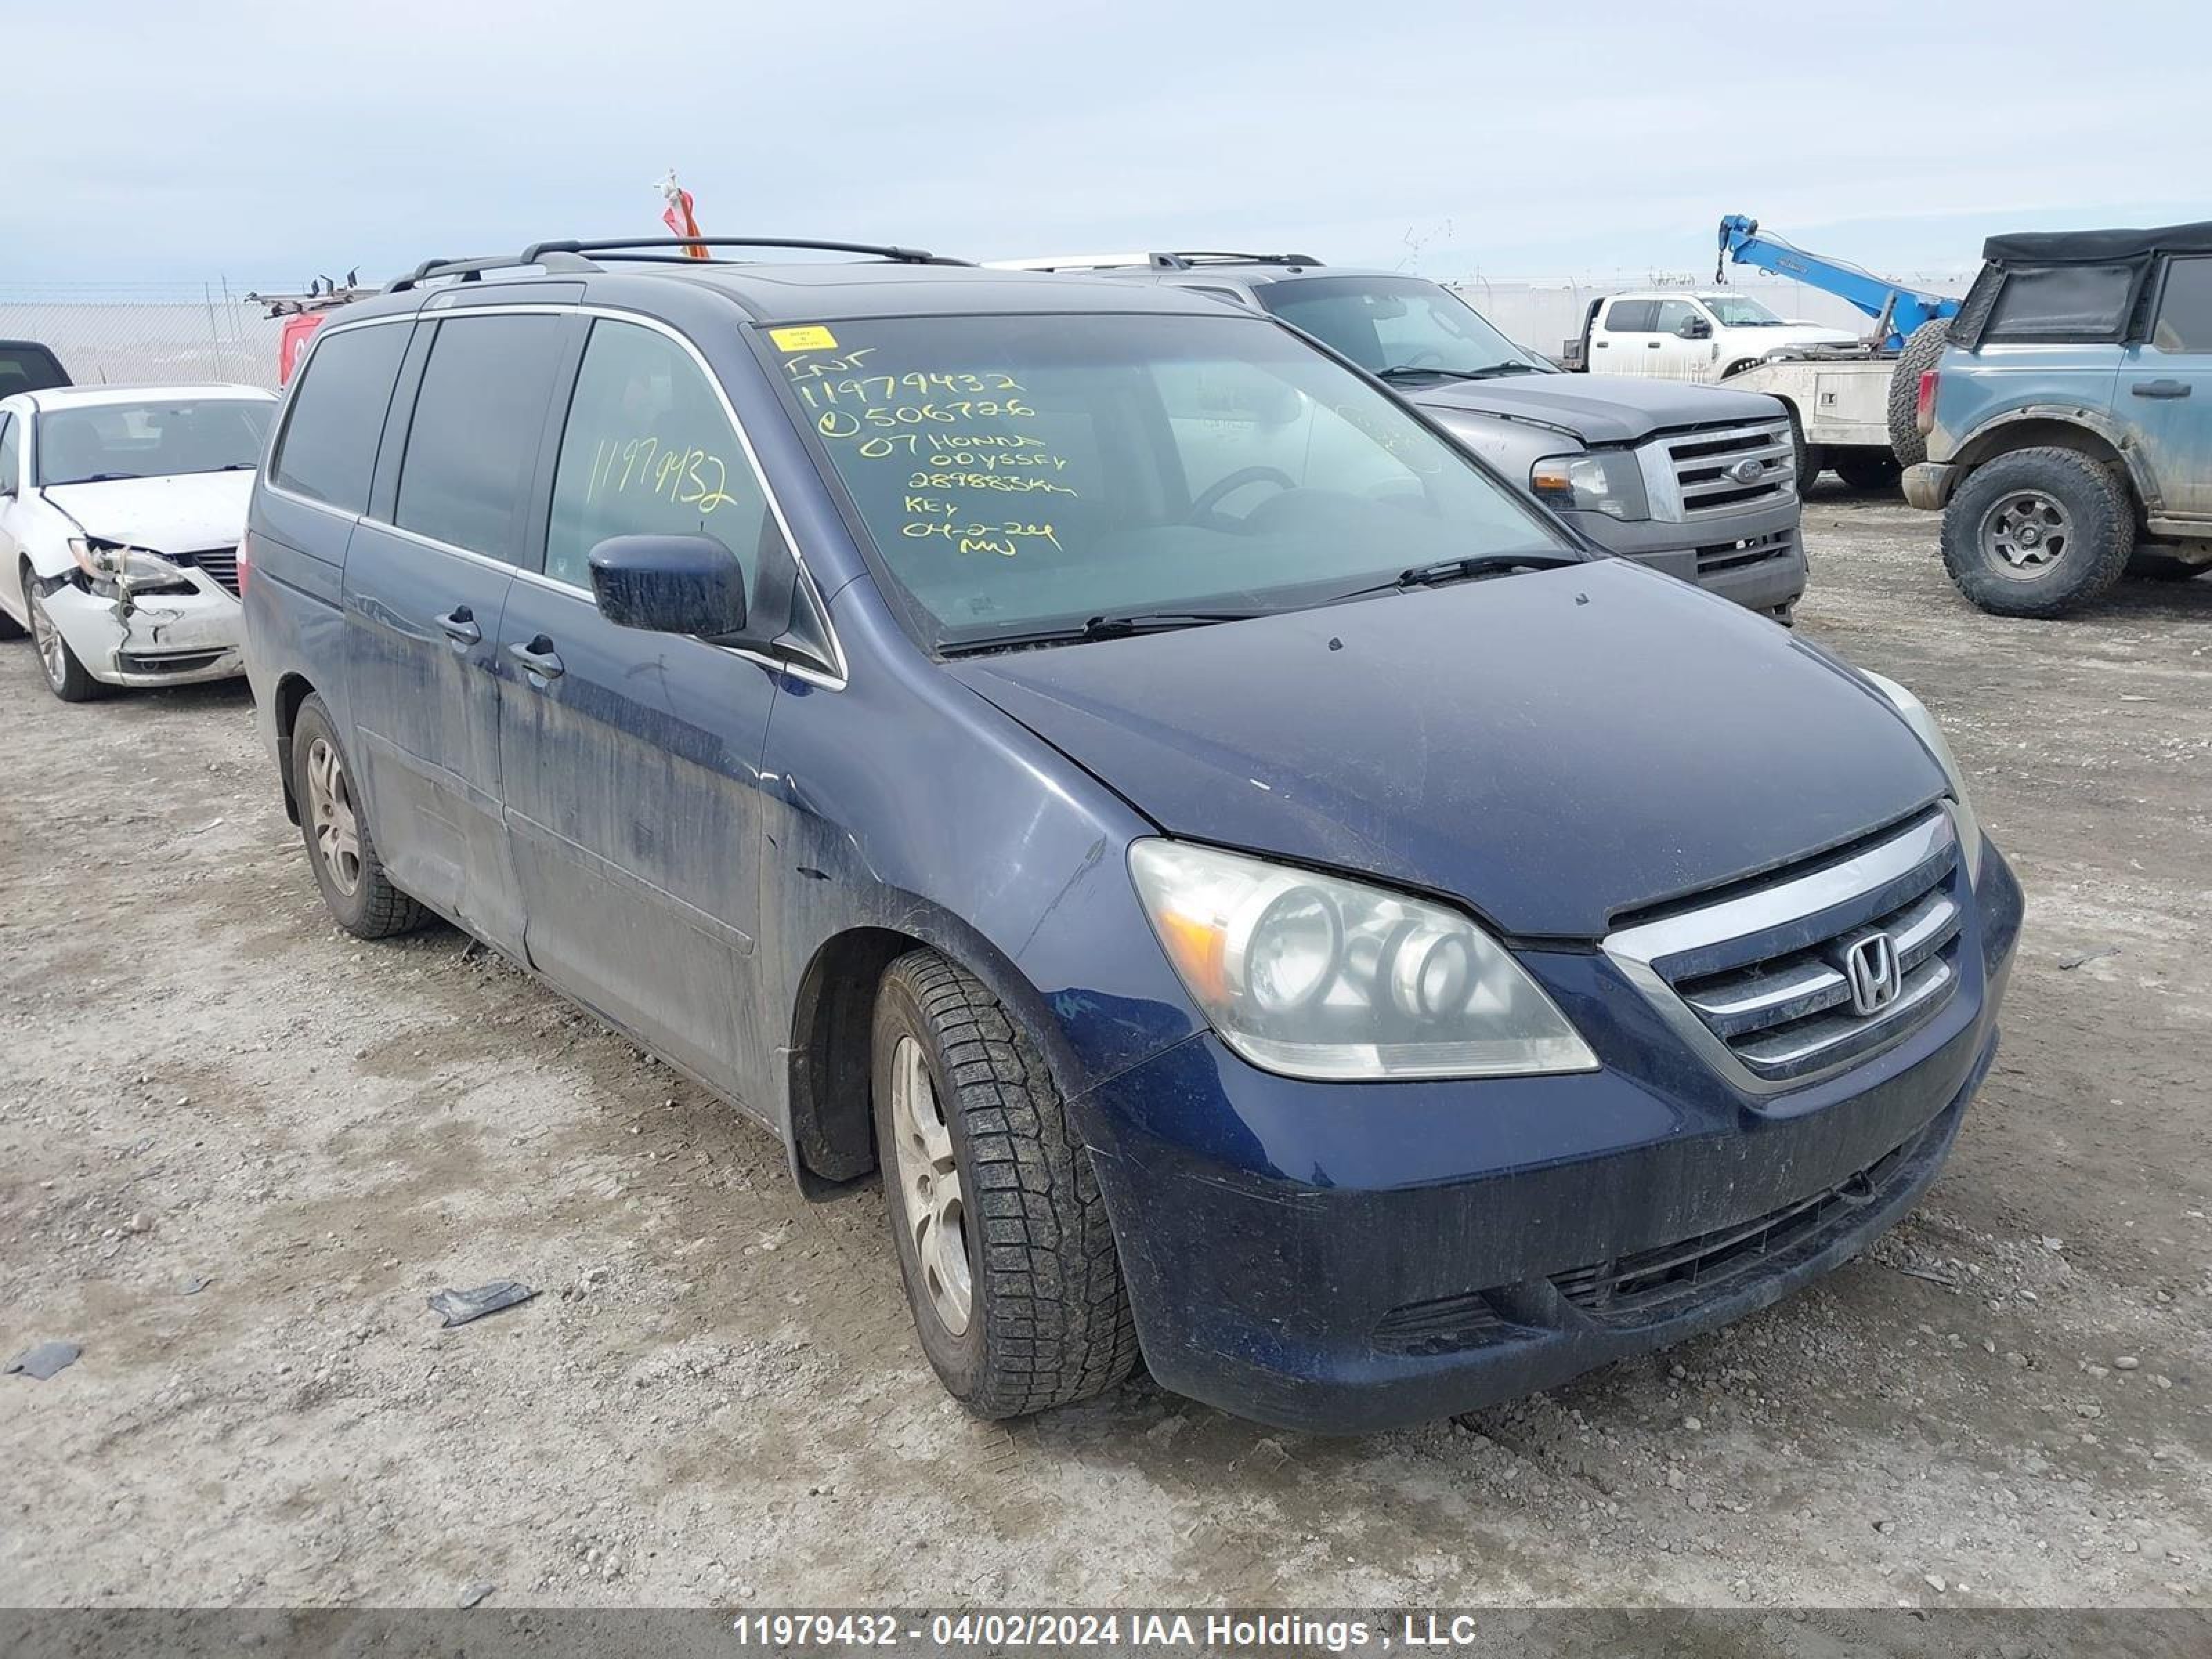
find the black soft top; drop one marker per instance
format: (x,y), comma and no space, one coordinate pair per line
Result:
(2096,246)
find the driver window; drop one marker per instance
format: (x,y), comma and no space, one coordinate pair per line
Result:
(649,451)
(1673,314)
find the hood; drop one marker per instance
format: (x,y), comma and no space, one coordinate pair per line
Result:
(1553,748)
(1598,409)
(190,512)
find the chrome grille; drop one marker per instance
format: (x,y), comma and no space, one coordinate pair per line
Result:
(1704,464)
(1760,982)
(221,563)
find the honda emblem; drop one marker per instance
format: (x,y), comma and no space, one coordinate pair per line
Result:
(1876,980)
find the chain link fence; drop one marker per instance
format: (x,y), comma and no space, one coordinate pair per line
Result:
(124,336)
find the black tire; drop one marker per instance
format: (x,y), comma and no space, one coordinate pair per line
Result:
(1921,350)
(2151,564)
(2094,531)
(372,907)
(1806,459)
(1047,1321)
(1867,469)
(65,677)
(9,628)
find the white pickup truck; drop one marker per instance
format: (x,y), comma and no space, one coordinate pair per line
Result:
(1836,384)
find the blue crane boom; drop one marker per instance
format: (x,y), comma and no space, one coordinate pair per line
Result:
(1899,309)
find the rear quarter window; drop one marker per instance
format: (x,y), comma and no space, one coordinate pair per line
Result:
(328,449)
(2063,302)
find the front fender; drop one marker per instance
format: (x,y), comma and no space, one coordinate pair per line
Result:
(905,803)
(45,536)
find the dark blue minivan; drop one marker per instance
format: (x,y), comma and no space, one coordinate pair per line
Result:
(1268,898)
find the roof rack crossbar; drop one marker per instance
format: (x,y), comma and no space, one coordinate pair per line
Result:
(620,246)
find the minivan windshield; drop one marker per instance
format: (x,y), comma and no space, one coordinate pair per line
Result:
(1392,325)
(1021,474)
(95,443)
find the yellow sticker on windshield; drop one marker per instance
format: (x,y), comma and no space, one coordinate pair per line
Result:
(813,337)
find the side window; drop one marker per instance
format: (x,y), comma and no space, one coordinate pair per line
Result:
(1632,316)
(11,454)
(649,451)
(2063,302)
(1672,314)
(328,449)
(473,440)
(2185,308)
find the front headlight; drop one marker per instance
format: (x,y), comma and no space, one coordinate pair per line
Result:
(1931,738)
(1608,482)
(110,563)
(1316,976)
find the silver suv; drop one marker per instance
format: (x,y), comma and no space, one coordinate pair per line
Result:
(1697,481)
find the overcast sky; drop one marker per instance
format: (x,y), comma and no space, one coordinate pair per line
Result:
(188,139)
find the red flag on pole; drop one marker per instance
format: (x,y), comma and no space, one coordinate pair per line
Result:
(677,216)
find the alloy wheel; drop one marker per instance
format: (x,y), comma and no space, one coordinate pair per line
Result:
(929,1181)
(330,815)
(53,655)
(2026,532)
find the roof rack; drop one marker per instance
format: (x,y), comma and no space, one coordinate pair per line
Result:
(1185,259)
(1179,261)
(570,255)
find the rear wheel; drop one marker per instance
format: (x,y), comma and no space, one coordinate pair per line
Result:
(1809,458)
(66,677)
(340,850)
(1921,350)
(1002,1240)
(1867,469)
(2038,532)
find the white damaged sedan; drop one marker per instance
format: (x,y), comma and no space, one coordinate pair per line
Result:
(120,514)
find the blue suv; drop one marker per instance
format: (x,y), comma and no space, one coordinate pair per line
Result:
(2066,446)
(1266,896)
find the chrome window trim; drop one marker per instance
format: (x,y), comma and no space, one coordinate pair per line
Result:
(1634,950)
(835,680)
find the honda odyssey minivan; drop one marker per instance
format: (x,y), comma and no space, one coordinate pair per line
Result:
(1265,897)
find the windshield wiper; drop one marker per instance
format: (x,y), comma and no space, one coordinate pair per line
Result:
(100,478)
(1407,371)
(1118,627)
(1441,571)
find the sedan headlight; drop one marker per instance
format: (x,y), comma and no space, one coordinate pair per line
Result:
(109,564)
(1931,738)
(1316,976)
(1608,482)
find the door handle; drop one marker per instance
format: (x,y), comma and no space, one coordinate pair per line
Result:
(2160,388)
(1652,346)
(1600,344)
(460,626)
(537,658)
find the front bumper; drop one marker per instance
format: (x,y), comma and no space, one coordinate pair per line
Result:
(164,639)
(1756,558)
(1929,485)
(1342,1258)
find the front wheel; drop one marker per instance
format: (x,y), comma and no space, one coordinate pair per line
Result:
(1002,1239)
(2038,532)
(66,677)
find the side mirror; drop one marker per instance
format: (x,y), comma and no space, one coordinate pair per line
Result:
(1694,328)
(670,585)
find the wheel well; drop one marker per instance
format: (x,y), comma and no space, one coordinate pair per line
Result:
(2036,435)
(832,1130)
(292,690)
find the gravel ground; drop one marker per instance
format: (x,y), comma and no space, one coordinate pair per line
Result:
(238,1150)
